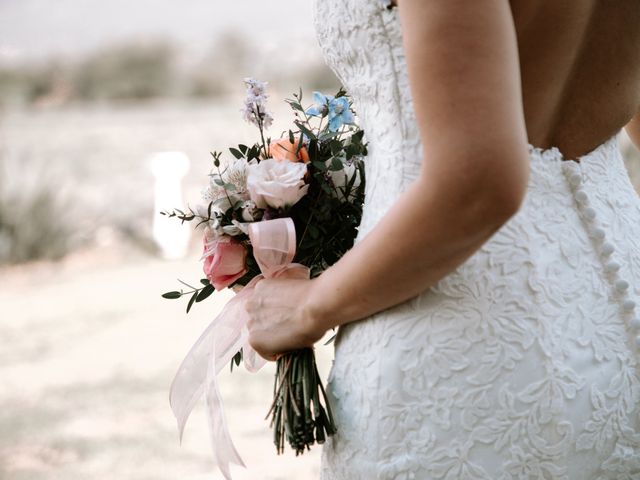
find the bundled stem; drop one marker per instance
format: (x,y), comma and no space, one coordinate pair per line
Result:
(300,412)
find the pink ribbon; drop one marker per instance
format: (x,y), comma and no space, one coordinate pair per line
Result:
(274,246)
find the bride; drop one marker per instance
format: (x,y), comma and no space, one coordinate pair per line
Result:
(486,314)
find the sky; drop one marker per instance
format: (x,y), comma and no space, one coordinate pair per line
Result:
(39,29)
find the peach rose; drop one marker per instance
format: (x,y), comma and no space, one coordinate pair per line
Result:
(224,261)
(283,149)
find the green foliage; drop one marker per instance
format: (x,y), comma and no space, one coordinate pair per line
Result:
(172,295)
(237,358)
(32,83)
(196,294)
(127,72)
(137,71)
(326,224)
(35,213)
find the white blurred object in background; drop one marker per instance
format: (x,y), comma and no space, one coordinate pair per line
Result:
(172,236)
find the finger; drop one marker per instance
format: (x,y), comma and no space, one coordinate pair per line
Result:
(270,357)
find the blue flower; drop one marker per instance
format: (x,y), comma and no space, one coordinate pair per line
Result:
(321,107)
(336,108)
(339,113)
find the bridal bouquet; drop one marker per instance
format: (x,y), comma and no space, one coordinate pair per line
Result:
(297,198)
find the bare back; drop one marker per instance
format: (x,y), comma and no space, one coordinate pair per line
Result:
(580,67)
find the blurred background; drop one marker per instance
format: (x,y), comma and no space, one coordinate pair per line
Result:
(92,95)
(108,111)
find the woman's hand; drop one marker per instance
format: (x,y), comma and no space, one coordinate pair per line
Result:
(282,317)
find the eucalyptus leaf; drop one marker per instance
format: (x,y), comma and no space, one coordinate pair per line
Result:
(336,165)
(205,292)
(172,295)
(192,301)
(236,153)
(303,128)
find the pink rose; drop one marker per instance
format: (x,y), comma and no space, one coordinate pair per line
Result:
(224,261)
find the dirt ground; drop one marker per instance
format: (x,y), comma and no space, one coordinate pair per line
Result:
(88,351)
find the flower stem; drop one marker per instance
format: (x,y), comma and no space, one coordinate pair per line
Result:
(260,121)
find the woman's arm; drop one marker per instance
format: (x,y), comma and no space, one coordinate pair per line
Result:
(463,65)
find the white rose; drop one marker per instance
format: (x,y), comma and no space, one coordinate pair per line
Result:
(341,178)
(276,184)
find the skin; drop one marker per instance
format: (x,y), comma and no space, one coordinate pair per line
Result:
(550,73)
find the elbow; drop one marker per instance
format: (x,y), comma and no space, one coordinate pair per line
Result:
(501,191)
(500,205)
(485,190)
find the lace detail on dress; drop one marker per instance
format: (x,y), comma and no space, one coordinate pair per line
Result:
(518,365)
(611,268)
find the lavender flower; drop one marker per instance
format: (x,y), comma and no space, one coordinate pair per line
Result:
(255,105)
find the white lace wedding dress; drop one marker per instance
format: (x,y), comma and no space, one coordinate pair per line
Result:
(522,363)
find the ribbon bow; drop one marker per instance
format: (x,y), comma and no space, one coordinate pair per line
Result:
(274,246)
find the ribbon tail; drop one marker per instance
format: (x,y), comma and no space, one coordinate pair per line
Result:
(189,382)
(224,451)
(225,336)
(252,361)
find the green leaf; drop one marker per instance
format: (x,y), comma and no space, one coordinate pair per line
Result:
(328,136)
(319,165)
(300,143)
(192,301)
(243,148)
(336,165)
(350,184)
(305,130)
(254,152)
(172,295)
(295,105)
(205,292)
(335,146)
(236,153)
(357,137)
(237,358)
(205,281)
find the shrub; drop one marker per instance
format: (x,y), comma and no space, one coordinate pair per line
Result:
(126,72)
(34,214)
